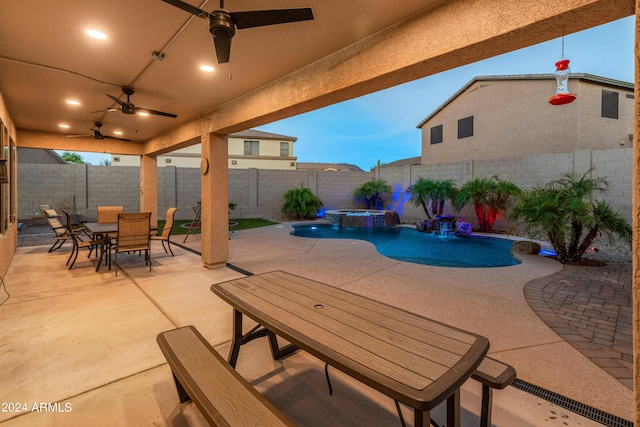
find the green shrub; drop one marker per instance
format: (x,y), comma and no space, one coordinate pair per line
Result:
(301,202)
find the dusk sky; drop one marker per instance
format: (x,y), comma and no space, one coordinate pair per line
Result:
(382,126)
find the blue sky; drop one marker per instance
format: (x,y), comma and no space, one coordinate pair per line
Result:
(382,126)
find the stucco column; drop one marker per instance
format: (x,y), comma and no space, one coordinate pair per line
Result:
(215,200)
(636,225)
(149,187)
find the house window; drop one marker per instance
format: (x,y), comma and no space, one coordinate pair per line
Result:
(609,104)
(251,148)
(465,127)
(436,134)
(284,149)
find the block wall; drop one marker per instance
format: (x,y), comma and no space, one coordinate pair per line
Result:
(259,192)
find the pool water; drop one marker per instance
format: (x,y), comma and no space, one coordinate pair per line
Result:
(409,245)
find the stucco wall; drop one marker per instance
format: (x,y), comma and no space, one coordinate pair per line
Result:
(8,239)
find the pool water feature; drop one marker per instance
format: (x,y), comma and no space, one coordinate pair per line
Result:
(405,244)
(366,218)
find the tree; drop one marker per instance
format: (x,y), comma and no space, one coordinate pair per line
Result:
(371,193)
(445,190)
(73,158)
(566,212)
(301,202)
(437,192)
(490,198)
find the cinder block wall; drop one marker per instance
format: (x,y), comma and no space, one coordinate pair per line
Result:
(259,193)
(615,165)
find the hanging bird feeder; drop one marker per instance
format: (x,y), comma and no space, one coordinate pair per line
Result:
(562,96)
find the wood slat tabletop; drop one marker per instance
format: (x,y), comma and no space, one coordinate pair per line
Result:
(408,357)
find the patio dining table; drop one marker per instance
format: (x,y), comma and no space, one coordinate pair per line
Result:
(105,229)
(410,358)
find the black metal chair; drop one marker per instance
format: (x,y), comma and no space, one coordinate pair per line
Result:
(82,241)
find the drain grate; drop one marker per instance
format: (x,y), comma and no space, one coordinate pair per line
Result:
(572,405)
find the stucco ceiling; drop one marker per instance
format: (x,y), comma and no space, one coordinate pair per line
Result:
(46,57)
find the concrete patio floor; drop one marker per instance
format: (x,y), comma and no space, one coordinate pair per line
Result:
(86,340)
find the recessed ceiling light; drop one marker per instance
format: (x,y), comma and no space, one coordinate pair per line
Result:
(117,132)
(207,68)
(97,34)
(73,102)
(143,113)
(64,126)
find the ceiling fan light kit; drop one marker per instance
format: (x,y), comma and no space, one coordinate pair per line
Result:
(96,133)
(127,106)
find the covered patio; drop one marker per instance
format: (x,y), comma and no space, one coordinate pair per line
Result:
(87,340)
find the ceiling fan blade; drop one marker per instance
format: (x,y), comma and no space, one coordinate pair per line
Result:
(113,137)
(260,18)
(188,8)
(156,112)
(107,110)
(118,100)
(223,49)
(79,136)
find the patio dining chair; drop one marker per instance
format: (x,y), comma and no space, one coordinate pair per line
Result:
(109,213)
(60,231)
(82,241)
(134,229)
(166,231)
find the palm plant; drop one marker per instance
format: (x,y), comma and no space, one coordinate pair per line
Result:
(301,202)
(565,211)
(420,193)
(445,190)
(437,192)
(490,198)
(371,193)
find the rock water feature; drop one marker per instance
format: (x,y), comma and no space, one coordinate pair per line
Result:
(362,218)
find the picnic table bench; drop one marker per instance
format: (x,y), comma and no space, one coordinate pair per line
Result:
(492,374)
(201,375)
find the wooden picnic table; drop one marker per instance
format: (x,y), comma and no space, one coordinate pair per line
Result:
(410,358)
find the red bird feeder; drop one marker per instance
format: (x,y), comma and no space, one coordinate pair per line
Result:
(562,96)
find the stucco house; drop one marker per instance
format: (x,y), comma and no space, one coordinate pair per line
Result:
(334,167)
(495,117)
(247,149)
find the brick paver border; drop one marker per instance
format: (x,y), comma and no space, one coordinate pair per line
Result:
(590,308)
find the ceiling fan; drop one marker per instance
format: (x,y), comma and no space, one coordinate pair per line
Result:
(97,134)
(223,24)
(128,107)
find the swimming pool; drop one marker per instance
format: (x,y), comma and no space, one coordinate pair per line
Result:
(409,245)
